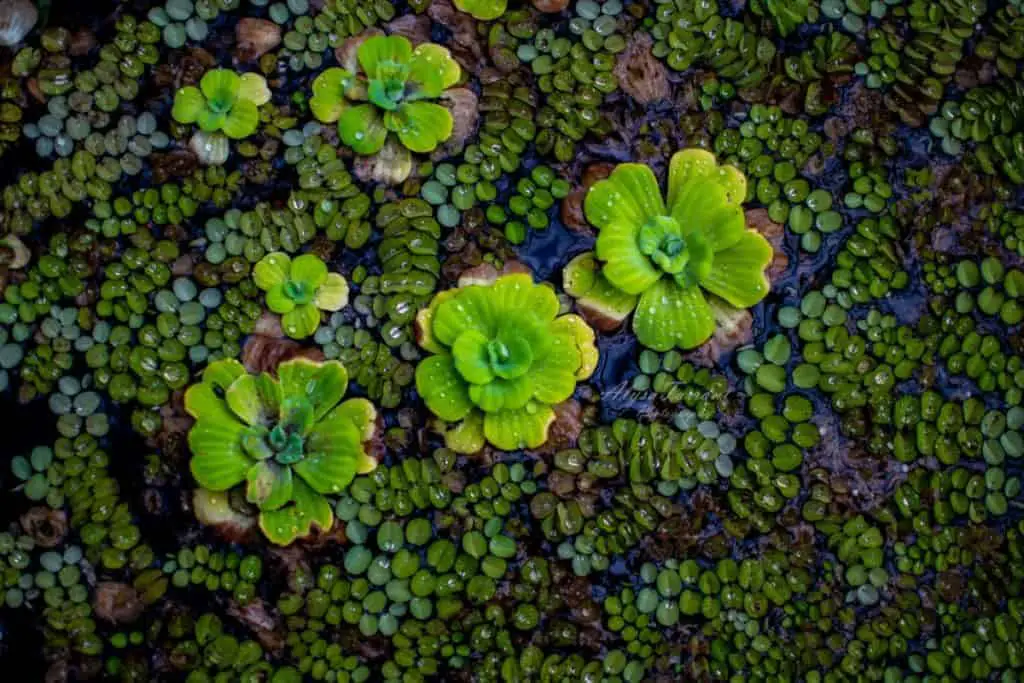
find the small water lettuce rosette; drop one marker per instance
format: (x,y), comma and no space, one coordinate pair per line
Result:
(224,102)
(382,98)
(681,264)
(290,439)
(484,10)
(298,289)
(503,356)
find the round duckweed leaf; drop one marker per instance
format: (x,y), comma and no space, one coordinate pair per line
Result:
(357,559)
(36,487)
(390,537)
(418,531)
(441,555)
(494,567)
(40,458)
(502,546)
(21,468)
(475,544)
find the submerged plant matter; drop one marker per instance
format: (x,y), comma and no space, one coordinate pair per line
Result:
(290,439)
(479,341)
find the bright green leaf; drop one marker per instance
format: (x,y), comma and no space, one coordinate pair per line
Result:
(468,435)
(332,294)
(470,308)
(702,208)
(272,270)
(362,128)
(278,300)
(626,268)
(253,88)
(421,126)
(442,388)
(211,121)
(328,473)
(433,69)
(309,269)
(471,358)
(527,427)
(245,400)
(296,520)
(218,462)
(220,87)
(501,394)
(484,10)
(669,315)
(384,57)
(737,274)
(301,322)
(630,195)
(189,103)
(269,485)
(242,121)
(328,101)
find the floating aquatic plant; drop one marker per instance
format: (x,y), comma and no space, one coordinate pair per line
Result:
(503,356)
(224,101)
(290,439)
(383,98)
(484,10)
(299,289)
(679,263)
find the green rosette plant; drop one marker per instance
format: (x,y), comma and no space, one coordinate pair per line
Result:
(290,439)
(680,263)
(224,101)
(484,10)
(382,99)
(299,289)
(503,357)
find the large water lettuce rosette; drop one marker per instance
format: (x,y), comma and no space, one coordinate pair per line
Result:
(290,439)
(679,263)
(503,356)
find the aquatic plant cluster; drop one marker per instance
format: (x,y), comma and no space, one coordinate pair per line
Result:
(602,341)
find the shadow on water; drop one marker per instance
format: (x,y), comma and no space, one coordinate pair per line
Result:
(23,427)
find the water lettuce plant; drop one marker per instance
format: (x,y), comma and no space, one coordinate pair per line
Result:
(679,263)
(502,357)
(383,97)
(290,439)
(298,289)
(484,10)
(224,101)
